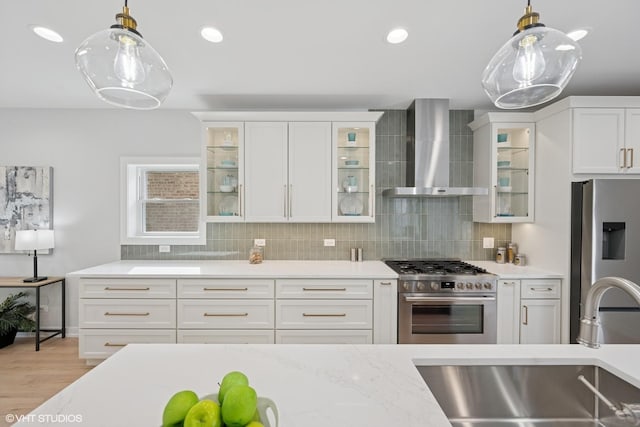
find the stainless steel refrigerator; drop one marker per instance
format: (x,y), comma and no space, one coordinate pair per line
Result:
(605,241)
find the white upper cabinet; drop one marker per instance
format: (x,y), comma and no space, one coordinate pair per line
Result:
(354,172)
(605,140)
(504,159)
(266,171)
(222,170)
(309,172)
(289,166)
(288,171)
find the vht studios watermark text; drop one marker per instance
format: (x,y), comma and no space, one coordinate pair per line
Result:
(44,418)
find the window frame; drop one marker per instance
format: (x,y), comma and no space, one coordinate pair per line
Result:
(132,203)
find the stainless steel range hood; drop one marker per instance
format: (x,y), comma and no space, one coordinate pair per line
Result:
(428,153)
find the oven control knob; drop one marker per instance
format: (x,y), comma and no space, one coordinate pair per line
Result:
(460,285)
(406,286)
(420,286)
(435,286)
(469,285)
(478,285)
(487,285)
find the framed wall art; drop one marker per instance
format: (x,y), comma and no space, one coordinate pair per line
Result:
(26,202)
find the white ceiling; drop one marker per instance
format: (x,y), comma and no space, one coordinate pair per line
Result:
(285,54)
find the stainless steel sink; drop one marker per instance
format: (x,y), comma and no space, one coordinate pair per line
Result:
(527,396)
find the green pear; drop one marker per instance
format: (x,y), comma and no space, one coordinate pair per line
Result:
(231,379)
(205,413)
(177,407)
(239,406)
(255,424)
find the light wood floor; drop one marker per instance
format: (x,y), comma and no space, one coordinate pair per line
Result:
(29,377)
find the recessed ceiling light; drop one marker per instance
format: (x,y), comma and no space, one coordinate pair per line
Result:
(397,36)
(211,34)
(578,34)
(47,33)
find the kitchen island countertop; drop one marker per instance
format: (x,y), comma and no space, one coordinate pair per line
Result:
(312,385)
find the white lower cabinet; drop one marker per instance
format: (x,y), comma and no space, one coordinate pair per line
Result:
(115,312)
(529,311)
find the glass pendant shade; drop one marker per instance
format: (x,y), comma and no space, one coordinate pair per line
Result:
(533,67)
(123,69)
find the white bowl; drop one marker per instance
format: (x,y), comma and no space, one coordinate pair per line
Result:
(226,188)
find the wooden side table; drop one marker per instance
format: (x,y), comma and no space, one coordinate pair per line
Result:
(17,283)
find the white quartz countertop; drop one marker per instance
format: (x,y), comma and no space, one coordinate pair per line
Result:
(511,271)
(242,269)
(312,385)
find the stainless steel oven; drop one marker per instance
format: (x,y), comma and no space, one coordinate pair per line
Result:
(454,303)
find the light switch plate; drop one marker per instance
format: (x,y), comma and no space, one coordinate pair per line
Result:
(164,248)
(488,243)
(329,242)
(260,242)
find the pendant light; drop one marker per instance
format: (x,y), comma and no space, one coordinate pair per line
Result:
(531,68)
(122,68)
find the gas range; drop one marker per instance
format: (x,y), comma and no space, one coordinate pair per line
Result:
(442,276)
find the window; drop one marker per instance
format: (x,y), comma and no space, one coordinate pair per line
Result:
(161,201)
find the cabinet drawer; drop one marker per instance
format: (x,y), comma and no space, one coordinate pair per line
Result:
(102,343)
(324,289)
(324,337)
(127,313)
(127,288)
(225,288)
(540,288)
(226,337)
(310,314)
(225,314)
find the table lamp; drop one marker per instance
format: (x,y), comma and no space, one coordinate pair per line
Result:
(32,240)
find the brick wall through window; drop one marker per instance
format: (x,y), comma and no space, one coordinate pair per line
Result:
(177,208)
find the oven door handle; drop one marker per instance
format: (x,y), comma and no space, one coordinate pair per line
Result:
(448,299)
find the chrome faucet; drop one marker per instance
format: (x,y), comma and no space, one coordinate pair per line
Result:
(590,323)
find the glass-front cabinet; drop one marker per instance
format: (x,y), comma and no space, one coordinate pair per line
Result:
(504,158)
(223,158)
(353,177)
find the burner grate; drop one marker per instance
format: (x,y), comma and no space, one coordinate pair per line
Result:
(434,267)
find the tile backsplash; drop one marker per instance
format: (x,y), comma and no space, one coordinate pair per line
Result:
(404,228)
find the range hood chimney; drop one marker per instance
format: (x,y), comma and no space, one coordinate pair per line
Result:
(428,153)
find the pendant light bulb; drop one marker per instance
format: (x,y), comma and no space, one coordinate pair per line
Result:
(122,68)
(127,65)
(530,63)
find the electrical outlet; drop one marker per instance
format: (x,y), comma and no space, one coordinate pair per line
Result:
(329,242)
(164,248)
(260,242)
(44,307)
(488,243)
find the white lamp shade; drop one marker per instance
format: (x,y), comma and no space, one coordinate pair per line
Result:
(533,67)
(123,69)
(29,240)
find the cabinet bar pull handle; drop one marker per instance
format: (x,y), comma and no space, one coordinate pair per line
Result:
(108,344)
(372,198)
(624,158)
(541,289)
(284,201)
(630,150)
(126,314)
(108,288)
(324,289)
(290,200)
(240,200)
(225,289)
(495,201)
(324,315)
(386,283)
(226,314)
(525,320)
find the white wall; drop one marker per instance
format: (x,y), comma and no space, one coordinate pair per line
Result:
(84,148)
